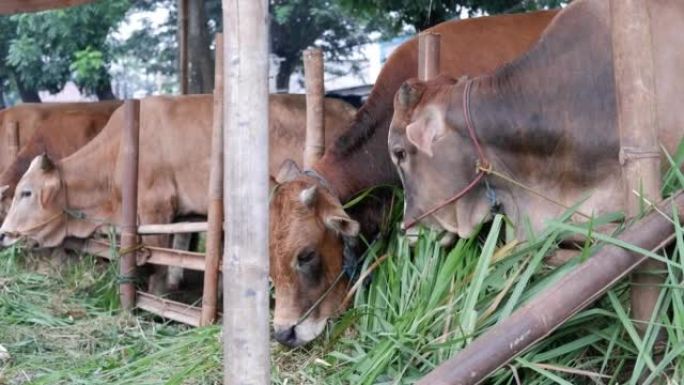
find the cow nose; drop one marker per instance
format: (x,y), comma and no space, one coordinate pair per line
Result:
(2,238)
(286,336)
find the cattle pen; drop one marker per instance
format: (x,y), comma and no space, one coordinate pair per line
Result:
(501,323)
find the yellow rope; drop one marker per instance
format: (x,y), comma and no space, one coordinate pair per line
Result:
(489,170)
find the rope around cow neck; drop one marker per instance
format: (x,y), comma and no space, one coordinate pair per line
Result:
(481,165)
(483,168)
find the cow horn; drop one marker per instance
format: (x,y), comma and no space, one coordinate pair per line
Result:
(308,196)
(45,163)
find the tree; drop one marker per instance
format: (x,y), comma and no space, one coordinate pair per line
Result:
(47,49)
(392,16)
(201,62)
(7,26)
(160,45)
(298,24)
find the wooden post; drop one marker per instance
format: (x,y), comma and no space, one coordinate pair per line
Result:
(215,214)
(639,152)
(314,144)
(245,257)
(428,55)
(129,198)
(12,130)
(551,308)
(183,71)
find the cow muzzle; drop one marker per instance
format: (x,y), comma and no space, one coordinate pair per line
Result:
(8,239)
(295,335)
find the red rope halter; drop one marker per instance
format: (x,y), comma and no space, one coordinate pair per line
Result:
(481,166)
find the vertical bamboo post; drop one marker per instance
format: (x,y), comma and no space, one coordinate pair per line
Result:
(215,213)
(183,59)
(314,144)
(129,198)
(428,55)
(639,154)
(245,256)
(12,130)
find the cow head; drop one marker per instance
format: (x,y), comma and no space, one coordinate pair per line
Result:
(37,210)
(307,226)
(435,158)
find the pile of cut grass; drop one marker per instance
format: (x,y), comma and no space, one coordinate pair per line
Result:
(61,326)
(423,305)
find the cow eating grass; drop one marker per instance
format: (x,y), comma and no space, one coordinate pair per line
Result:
(81,193)
(359,161)
(57,129)
(546,121)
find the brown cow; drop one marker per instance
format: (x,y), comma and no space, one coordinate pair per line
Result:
(307,218)
(61,130)
(33,117)
(547,120)
(175,141)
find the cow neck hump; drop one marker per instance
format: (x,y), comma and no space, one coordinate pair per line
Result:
(551,113)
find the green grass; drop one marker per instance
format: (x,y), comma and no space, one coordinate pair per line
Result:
(60,323)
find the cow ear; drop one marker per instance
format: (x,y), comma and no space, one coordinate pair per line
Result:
(338,221)
(48,191)
(423,132)
(288,171)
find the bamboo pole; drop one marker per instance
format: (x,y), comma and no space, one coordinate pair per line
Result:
(12,130)
(173,310)
(215,214)
(246,181)
(428,55)
(639,153)
(173,228)
(129,197)
(183,59)
(551,308)
(314,144)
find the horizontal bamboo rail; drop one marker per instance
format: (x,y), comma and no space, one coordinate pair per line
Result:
(172,310)
(173,228)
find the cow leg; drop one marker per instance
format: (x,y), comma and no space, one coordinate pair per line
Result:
(157,280)
(175,274)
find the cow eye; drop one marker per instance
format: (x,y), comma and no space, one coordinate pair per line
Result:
(306,256)
(25,193)
(399,154)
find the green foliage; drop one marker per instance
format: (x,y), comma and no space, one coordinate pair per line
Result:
(87,68)
(43,49)
(298,24)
